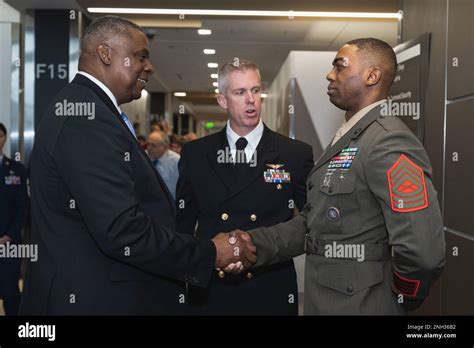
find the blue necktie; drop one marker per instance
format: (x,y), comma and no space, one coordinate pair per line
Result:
(129,125)
(155,162)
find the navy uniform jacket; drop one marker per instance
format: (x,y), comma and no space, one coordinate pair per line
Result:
(369,195)
(208,193)
(13,205)
(103,219)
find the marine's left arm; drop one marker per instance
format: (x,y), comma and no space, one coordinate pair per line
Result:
(398,173)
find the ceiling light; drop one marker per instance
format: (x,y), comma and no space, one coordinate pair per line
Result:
(209,51)
(212,65)
(216,90)
(204,31)
(180,94)
(214,76)
(215,84)
(263,95)
(245,13)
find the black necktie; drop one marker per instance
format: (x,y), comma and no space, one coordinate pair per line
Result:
(241,158)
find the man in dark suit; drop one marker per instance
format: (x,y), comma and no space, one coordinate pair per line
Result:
(102,216)
(244,175)
(13,204)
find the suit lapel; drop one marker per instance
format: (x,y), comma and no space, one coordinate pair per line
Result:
(84,81)
(353,133)
(217,157)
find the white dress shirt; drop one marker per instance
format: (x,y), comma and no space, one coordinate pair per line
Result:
(253,138)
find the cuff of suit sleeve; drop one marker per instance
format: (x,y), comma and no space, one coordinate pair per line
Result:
(207,266)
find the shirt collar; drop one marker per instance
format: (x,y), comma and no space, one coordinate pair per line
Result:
(356,118)
(253,137)
(102,87)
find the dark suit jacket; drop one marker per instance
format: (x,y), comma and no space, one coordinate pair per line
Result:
(208,189)
(13,205)
(103,219)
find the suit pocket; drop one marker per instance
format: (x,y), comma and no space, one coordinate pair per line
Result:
(350,277)
(123,272)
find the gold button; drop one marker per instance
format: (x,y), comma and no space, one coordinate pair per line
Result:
(221,274)
(279,187)
(249,275)
(224,216)
(253,217)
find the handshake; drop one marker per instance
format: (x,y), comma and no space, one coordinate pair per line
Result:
(235,251)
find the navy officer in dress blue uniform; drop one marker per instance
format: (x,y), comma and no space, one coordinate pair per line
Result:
(243,176)
(13,203)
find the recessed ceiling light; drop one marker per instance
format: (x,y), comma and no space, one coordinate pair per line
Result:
(215,84)
(180,94)
(212,65)
(263,95)
(214,76)
(216,90)
(209,51)
(204,31)
(245,13)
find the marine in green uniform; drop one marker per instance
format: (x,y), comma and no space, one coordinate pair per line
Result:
(372,227)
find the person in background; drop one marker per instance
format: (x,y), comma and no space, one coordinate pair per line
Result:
(190,137)
(165,160)
(142,141)
(176,143)
(13,206)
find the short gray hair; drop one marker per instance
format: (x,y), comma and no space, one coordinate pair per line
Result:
(237,64)
(107,27)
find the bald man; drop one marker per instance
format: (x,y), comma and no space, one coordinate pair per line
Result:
(372,228)
(102,216)
(164,160)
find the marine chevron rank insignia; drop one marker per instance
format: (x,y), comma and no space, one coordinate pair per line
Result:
(406,182)
(405,286)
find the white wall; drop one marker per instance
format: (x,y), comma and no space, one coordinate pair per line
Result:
(8,13)
(310,69)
